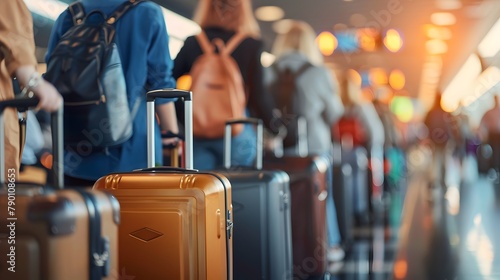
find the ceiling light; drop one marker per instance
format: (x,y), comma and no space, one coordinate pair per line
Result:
(489,45)
(443,19)
(436,46)
(393,41)
(397,79)
(327,43)
(448,4)
(463,83)
(269,13)
(50,9)
(435,32)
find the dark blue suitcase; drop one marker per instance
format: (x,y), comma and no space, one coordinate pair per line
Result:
(262,239)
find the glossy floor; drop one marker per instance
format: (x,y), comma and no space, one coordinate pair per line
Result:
(450,233)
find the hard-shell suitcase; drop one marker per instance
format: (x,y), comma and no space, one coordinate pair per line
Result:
(176,223)
(55,234)
(343,197)
(309,179)
(262,239)
(308,193)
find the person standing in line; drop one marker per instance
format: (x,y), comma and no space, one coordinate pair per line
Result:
(223,19)
(489,132)
(443,134)
(316,99)
(17,59)
(147,65)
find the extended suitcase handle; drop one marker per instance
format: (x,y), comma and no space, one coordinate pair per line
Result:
(23,104)
(227,140)
(166,169)
(186,96)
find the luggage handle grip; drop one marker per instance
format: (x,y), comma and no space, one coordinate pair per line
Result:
(186,96)
(169,93)
(227,140)
(165,169)
(23,104)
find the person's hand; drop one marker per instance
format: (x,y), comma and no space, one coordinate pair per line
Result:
(50,99)
(170,141)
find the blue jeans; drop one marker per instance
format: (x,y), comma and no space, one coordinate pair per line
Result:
(208,154)
(332,223)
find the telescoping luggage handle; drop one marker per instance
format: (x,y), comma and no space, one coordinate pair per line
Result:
(227,140)
(23,104)
(186,96)
(301,149)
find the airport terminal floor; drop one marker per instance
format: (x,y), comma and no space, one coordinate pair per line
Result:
(428,232)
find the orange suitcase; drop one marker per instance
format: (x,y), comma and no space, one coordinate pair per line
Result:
(175,223)
(55,234)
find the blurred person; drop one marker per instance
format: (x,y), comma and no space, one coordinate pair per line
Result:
(147,65)
(369,150)
(223,19)
(316,99)
(394,159)
(17,59)
(443,134)
(489,132)
(317,94)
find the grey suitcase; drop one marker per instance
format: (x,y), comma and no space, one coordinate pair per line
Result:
(262,240)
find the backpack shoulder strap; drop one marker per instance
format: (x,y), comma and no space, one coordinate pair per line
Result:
(302,69)
(121,10)
(206,46)
(234,42)
(77,12)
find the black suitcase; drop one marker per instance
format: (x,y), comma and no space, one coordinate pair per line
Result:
(262,240)
(55,234)
(343,197)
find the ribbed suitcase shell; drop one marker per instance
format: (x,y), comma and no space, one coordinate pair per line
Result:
(52,235)
(175,224)
(56,235)
(308,188)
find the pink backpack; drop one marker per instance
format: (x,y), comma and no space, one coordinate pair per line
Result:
(218,87)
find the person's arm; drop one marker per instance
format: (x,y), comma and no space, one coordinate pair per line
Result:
(166,115)
(334,108)
(160,67)
(18,50)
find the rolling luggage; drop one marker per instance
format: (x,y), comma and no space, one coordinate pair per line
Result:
(176,223)
(262,239)
(55,234)
(343,198)
(308,193)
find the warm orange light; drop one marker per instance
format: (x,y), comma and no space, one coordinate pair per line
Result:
(354,76)
(393,41)
(367,40)
(436,46)
(327,43)
(378,77)
(442,33)
(400,269)
(443,19)
(447,106)
(184,82)
(397,79)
